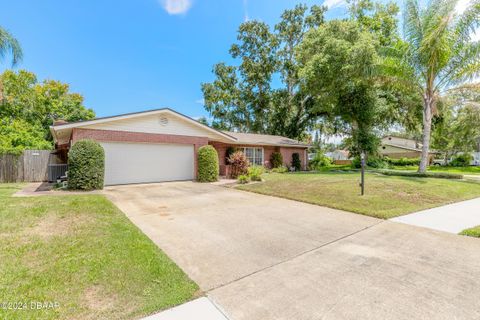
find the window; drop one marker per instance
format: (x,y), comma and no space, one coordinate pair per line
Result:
(254,155)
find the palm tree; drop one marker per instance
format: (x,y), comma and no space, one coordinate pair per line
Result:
(437,54)
(10,45)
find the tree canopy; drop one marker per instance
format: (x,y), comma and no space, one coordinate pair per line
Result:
(457,128)
(262,93)
(29,107)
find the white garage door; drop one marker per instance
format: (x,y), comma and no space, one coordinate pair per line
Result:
(145,162)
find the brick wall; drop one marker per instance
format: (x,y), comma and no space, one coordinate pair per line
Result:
(267,152)
(287,156)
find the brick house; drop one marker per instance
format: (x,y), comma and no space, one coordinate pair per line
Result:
(161,145)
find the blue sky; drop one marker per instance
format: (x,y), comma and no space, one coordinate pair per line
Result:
(127,56)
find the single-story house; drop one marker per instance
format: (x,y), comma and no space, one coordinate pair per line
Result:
(397,148)
(161,145)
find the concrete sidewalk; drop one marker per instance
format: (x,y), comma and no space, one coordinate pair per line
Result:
(452,218)
(201,308)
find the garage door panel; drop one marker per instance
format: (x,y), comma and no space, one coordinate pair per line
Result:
(145,162)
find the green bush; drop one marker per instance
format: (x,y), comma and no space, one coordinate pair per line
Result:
(239,164)
(372,162)
(461,160)
(243,179)
(255,173)
(86,166)
(296,161)
(207,164)
(403,162)
(319,161)
(281,169)
(402,173)
(276,159)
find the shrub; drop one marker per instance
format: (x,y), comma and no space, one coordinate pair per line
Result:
(239,164)
(207,164)
(378,163)
(296,164)
(243,179)
(281,169)
(461,160)
(403,162)
(402,173)
(319,161)
(276,159)
(372,162)
(255,172)
(230,150)
(86,165)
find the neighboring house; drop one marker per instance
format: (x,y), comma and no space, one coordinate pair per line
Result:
(396,148)
(338,155)
(161,145)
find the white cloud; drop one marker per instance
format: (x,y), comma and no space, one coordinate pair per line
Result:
(200,101)
(334,3)
(176,6)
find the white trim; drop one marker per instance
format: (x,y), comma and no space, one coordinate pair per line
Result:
(139,114)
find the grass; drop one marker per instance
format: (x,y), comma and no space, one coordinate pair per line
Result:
(462,170)
(386,196)
(81,252)
(472,232)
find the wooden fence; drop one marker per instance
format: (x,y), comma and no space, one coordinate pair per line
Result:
(31,166)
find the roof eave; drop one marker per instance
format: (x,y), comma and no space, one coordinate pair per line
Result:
(138,114)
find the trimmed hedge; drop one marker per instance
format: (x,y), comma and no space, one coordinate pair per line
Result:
(403,162)
(276,159)
(86,165)
(442,175)
(208,169)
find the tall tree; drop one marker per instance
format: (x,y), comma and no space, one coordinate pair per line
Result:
(10,46)
(438,53)
(29,107)
(339,63)
(457,127)
(262,93)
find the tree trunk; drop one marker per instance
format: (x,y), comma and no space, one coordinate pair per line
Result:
(427,128)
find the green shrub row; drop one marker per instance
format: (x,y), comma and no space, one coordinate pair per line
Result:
(403,162)
(443,175)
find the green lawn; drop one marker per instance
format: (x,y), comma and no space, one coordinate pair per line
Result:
(386,196)
(81,252)
(472,232)
(462,170)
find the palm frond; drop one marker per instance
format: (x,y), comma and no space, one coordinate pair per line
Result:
(10,45)
(468,22)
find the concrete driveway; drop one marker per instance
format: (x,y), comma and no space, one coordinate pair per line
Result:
(261,257)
